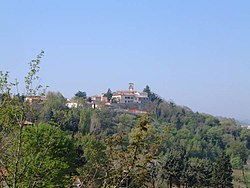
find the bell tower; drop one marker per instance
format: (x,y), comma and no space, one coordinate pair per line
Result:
(131,86)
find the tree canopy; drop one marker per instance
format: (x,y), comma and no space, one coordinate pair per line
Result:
(81,94)
(166,146)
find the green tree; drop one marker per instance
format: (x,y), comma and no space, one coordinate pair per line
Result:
(236,162)
(12,118)
(92,171)
(54,105)
(13,115)
(55,101)
(238,149)
(198,173)
(71,119)
(81,94)
(109,94)
(129,158)
(212,121)
(222,173)
(151,95)
(85,120)
(32,86)
(47,157)
(174,166)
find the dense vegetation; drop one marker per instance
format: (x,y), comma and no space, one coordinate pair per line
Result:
(169,146)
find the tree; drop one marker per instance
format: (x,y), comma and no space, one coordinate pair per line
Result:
(212,121)
(54,104)
(47,157)
(109,94)
(151,95)
(147,89)
(32,86)
(198,173)
(70,120)
(81,94)
(92,171)
(13,115)
(55,101)
(12,118)
(236,162)
(129,158)
(174,166)
(222,173)
(238,149)
(85,121)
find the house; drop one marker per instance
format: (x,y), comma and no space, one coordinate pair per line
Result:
(130,96)
(72,103)
(35,100)
(99,99)
(104,98)
(96,98)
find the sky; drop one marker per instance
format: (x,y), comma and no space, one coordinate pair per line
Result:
(196,53)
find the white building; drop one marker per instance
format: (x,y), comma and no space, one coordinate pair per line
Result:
(71,104)
(130,96)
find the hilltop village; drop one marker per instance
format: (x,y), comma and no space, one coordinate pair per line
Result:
(127,133)
(127,100)
(119,97)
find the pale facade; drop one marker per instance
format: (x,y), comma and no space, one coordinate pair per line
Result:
(130,96)
(71,104)
(98,99)
(34,100)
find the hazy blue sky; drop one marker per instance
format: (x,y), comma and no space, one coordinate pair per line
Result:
(195,52)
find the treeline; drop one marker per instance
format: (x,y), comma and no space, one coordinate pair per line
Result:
(170,146)
(191,149)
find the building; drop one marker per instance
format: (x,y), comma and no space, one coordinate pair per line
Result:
(75,102)
(72,103)
(130,96)
(99,99)
(96,98)
(35,100)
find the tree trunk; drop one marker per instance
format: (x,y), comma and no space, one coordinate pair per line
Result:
(18,152)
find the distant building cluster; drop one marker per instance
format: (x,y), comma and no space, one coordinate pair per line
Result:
(101,98)
(119,97)
(35,101)
(123,96)
(130,96)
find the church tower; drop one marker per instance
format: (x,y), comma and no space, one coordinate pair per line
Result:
(131,86)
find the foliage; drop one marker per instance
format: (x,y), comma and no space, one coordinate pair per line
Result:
(222,173)
(32,78)
(174,166)
(109,94)
(168,146)
(93,157)
(151,95)
(129,158)
(47,157)
(81,94)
